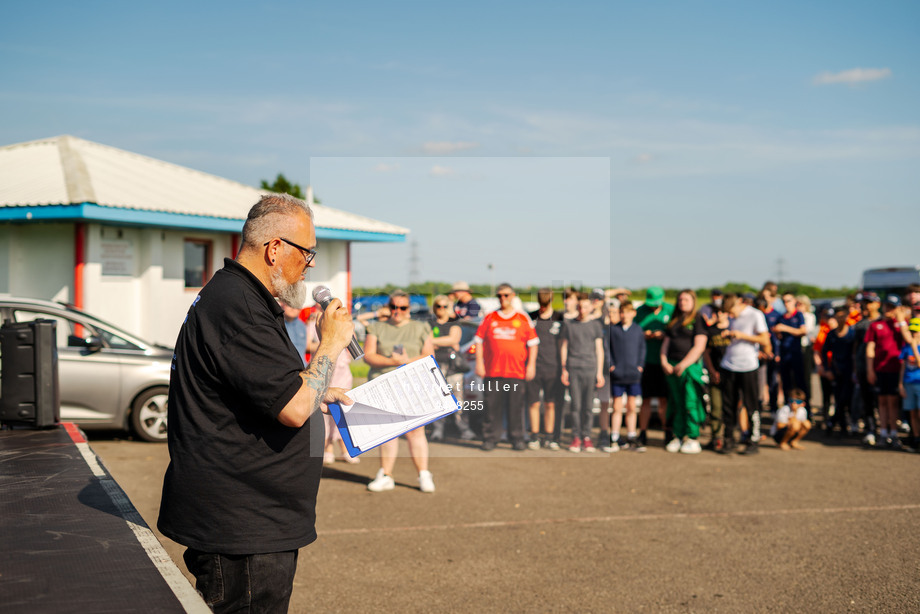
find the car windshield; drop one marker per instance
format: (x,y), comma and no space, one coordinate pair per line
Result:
(114,336)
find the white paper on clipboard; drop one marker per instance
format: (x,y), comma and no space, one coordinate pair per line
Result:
(398,402)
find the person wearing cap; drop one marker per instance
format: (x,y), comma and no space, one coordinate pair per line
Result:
(653,317)
(866,401)
(465,306)
(884,341)
(910,380)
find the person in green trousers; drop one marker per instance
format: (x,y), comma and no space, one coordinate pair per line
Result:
(684,342)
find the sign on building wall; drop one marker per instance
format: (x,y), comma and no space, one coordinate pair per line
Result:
(117,257)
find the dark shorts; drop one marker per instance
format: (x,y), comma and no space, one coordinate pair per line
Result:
(780,433)
(547,384)
(630,390)
(887,383)
(654,385)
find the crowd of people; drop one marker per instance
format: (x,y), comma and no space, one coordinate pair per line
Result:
(590,377)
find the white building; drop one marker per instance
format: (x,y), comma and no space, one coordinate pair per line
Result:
(131,239)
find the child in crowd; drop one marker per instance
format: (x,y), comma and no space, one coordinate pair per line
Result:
(791,422)
(910,381)
(627,358)
(582,360)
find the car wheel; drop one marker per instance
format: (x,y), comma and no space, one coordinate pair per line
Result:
(148,414)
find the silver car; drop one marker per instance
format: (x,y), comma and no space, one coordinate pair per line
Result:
(109,378)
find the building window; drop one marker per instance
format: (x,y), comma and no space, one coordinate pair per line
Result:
(197,262)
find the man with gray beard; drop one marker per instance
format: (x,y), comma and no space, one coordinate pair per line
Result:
(240,489)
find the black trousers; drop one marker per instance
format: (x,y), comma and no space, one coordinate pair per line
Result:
(244,583)
(740,389)
(498,402)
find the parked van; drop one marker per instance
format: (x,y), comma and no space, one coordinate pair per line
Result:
(890,280)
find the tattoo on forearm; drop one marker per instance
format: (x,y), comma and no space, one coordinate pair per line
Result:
(317,377)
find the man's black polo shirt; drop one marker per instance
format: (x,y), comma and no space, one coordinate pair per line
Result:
(238,481)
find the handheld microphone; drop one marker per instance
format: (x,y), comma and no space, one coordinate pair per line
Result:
(323,297)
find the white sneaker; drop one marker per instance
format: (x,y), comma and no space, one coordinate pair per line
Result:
(382,482)
(673,445)
(533,444)
(425,482)
(691,446)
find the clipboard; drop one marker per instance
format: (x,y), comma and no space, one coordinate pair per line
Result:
(393,404)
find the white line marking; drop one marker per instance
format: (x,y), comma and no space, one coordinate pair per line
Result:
(184,592)
(621,518)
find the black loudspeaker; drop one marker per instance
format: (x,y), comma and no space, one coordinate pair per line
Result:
(29,392)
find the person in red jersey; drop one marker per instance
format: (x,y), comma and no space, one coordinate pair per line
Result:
(506,358)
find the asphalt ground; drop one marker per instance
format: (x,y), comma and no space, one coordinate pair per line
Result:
(833,528)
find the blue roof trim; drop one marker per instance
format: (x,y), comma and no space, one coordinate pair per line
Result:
(137,217)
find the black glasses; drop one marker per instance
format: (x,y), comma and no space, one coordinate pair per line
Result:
(308,254)
(503,295)
(440,306)
(399,307)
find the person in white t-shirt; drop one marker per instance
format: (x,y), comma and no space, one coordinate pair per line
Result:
(748,331)
(791,422)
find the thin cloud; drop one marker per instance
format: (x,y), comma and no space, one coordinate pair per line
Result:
(854,76)
(644,158)
(386,168)
(440,171)
(441,148)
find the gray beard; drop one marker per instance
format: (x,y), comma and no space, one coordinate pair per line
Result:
(294,294)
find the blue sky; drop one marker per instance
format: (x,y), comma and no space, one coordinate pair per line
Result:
(737,133)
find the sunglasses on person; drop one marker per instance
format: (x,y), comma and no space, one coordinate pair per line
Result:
(308,254)
(798,401)
(399,307)
(441,306)
(503,295)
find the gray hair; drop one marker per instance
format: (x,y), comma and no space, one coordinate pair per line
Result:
(399,294)
(270,218)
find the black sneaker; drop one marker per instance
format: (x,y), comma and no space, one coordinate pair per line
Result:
(519,446)
(728,446)
(635,445)
(643,439)
(751,448)
(487,446)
